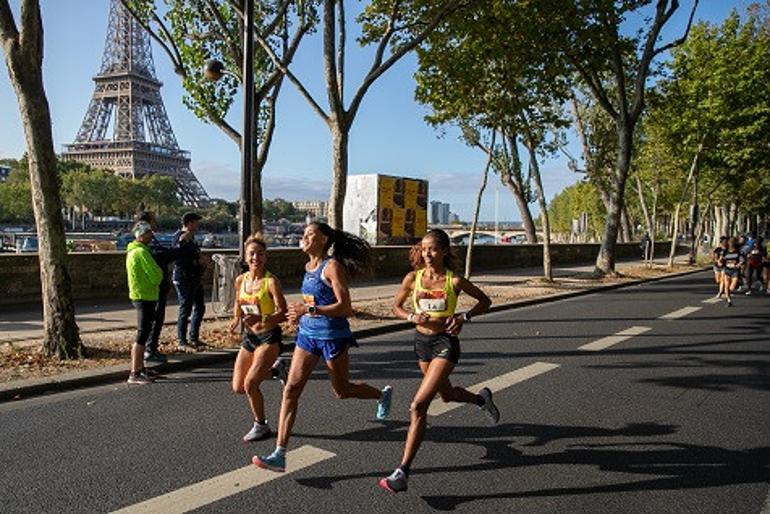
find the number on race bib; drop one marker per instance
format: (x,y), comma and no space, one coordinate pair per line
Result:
(432,304)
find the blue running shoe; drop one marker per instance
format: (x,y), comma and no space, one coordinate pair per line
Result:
(383,404)
(273,462)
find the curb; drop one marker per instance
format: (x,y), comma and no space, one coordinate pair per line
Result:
(24,389)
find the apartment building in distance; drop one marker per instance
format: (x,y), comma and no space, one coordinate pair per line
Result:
(314,208)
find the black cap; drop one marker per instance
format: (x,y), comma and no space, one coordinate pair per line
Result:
(190,216)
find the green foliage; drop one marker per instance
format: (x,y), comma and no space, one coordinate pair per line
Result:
(16,196)
(716,94)
(571,202)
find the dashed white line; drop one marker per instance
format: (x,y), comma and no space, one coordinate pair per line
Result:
(766,506)
(713,299)
(208,491)
(437,407)
(606,342)
(681,313)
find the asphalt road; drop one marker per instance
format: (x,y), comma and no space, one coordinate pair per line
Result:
(670,416)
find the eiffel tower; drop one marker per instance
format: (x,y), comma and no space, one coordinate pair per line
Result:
(127,99)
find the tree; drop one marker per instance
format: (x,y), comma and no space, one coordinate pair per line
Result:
(193,32)
(711,115)
(23,50)
(474,74)
(615,69)
(396,25)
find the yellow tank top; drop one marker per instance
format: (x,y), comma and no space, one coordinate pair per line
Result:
(436,303)
(256,303)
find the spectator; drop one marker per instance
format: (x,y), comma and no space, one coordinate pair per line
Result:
(163,256)
(644,246)
(188,272)
(144,277)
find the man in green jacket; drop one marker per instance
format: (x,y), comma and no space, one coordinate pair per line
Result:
(144,277)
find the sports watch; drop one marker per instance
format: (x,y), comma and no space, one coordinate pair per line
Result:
(467,316)
(311,309)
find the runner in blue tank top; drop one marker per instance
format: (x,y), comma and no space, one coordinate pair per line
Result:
(323,329)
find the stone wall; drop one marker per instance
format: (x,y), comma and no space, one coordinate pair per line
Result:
(103,275)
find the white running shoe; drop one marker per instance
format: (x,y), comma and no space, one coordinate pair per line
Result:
(257,432)
(396,482)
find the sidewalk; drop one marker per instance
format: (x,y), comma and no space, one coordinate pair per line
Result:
(24,326)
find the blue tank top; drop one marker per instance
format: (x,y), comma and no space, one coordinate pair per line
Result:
(315,291)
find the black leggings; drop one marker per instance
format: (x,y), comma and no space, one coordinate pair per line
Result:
(145,314)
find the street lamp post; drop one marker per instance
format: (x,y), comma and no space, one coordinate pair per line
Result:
(213,70)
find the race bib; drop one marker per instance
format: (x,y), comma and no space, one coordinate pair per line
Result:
(432,304)
(250,309)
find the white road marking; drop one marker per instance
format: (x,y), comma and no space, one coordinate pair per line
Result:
(766,506)
(713,300)
(681,313)
(208,491)
(437,407)
(606,342)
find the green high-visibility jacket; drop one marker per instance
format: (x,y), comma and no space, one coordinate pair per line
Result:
(144,274)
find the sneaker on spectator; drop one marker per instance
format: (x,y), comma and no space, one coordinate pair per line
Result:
(138,379)
(154,357)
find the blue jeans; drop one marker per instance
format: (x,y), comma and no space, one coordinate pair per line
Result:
(191,308)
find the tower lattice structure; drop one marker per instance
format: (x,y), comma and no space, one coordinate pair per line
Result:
(126,128)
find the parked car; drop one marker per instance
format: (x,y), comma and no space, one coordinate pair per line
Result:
(27,245)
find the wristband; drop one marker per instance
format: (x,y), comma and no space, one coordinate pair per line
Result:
(410,317)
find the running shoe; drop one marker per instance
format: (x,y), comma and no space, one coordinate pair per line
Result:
(729,303)
(383,404)
(138,379)
(256,433)
(185,348)
(748,293)
(488,407)
(395,483)
(151,373)
(281,371)
(273,462)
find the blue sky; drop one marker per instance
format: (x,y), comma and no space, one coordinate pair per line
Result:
(389,135)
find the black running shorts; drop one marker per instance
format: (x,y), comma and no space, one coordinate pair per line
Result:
(437,346)
(252,341)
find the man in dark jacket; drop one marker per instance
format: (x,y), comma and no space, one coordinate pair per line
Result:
(188,272)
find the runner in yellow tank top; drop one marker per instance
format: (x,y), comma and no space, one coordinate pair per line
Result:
(259,308)
(434,287)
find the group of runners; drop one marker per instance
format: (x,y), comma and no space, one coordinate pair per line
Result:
(741,265)
(323,331)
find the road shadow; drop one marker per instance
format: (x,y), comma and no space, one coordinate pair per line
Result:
(671,466)
(498,442)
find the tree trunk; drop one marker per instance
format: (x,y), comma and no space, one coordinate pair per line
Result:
(24,61)
(535,172)
(694,219)
(605,261)
(339,173)
(672,252)
(510,176)
(482,187)
(643,203)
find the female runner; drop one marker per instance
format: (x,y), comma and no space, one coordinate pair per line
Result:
(434,288)
(259,308)
(323,330)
